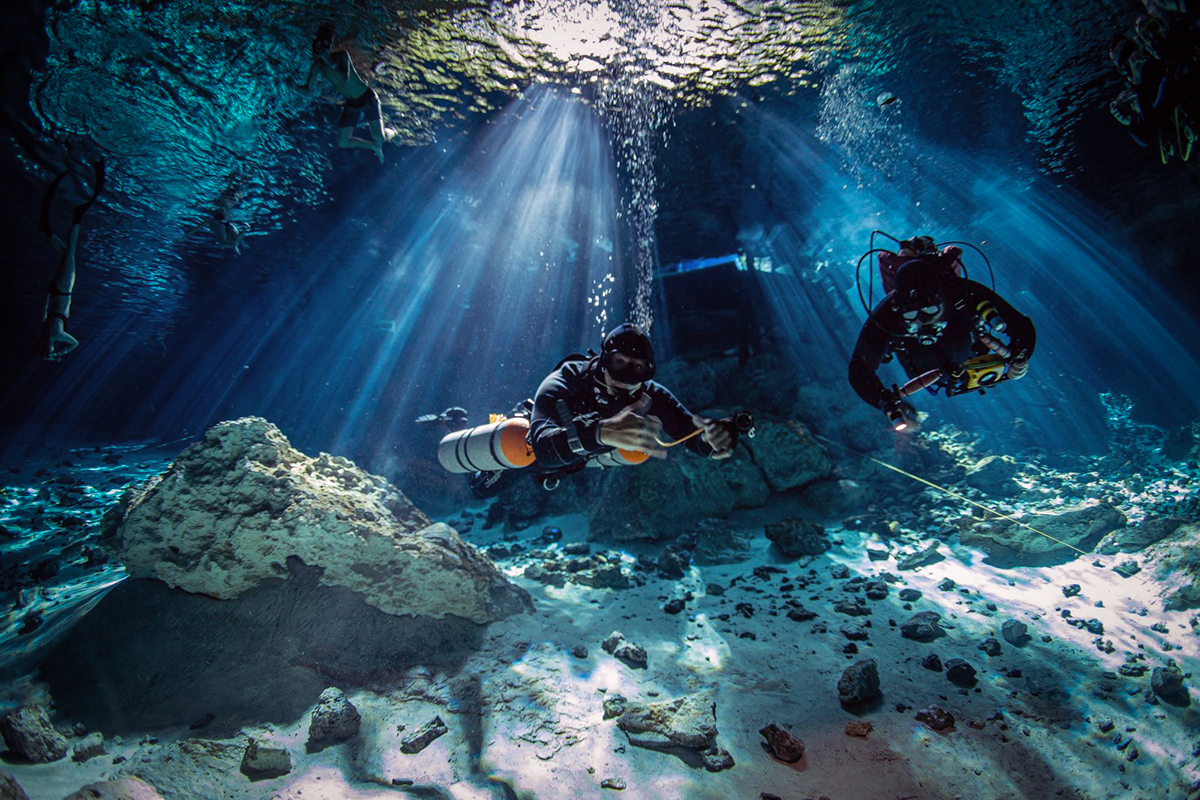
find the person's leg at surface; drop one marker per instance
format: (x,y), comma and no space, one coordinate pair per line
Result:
(58,301)
(379,134)
(346,125)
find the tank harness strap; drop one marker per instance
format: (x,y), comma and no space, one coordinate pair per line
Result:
(51,314)
(82,208)
(55,291)
(573,442)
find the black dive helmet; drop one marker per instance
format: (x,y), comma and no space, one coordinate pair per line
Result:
(631,341)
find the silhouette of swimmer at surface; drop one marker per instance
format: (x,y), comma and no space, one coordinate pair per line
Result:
(53,340)
(337,68)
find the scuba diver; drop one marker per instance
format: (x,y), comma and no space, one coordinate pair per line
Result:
(944,330)
(1160,62)
(338,69)
(592,410)
(53,341)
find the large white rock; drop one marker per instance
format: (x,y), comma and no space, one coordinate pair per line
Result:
(231,510)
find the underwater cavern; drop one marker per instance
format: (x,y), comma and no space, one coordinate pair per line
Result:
(600,398)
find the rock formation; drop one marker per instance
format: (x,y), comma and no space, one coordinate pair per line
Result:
(28,733)
(235,507)
(1077,528)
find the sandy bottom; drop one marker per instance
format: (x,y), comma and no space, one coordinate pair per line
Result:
(525,716)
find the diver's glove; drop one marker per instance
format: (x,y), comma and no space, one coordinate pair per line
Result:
(901,414)
(1017,368)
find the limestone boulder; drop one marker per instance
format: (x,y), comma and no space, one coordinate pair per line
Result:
(993,475)
(788,454)
(689,721)
(1079,528)
(10,789)
(233,508)
(1138,537)
(28,732)
(1175,562)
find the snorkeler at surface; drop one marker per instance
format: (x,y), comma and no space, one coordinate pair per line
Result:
(943,329)
(338,69)
(53,341)
(228,235)
(589,407)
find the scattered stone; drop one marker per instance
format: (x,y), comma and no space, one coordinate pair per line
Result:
(854,607)
(781,744)
(839,572)
(932,662)
(689,721)
(716,759)
(859,728)
(28,733)
(261,763)
(991,646)
(797,537)
(549,535)
(922,626)
(908,595)
(1015,632)
(91,746)
(1167,683)
(673,565)
(859,683)
(878,553)
(1094,626)
(632,654)
(1071,590)
(936,717)
(335,718)
(960,673)
(1105,724)
(1127,569)
(10,789)
(714,589)
(855,633)
(921,557)
(423,736)
(616,784)
(614,706)
(674,606)
(577,549)
(875,589)
(30,623)
(946,584)
(801,614)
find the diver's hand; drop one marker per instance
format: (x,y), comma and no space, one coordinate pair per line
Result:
(633,429)
(717,435)
(903,416)
(1017,368)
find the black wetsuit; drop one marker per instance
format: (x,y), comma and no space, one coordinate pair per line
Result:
(884,335)
(571,402)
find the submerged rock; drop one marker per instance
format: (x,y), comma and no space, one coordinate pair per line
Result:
(689,721)
(936,717)
(923,556)
(232,509)
(28,733)
(1150,531)
(261,763)
(335,718)
(993,475)
(787,454)
(1075,528)
(423,737)
(960,673)
(859,683)
(797,537)
(632,654)
(1167,683)
(1015,632)
(10,789)
(91,746)
(782,744)
(922,626)
(126,788)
